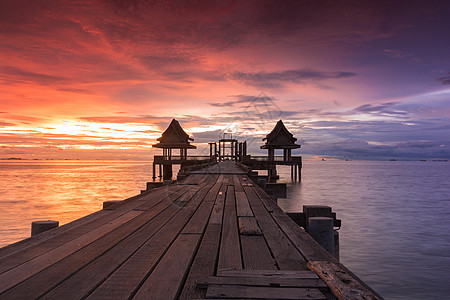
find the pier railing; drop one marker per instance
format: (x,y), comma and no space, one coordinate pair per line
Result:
(293,159)
(159,159)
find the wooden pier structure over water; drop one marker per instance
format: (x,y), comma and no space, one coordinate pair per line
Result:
(227,148)
(215,234)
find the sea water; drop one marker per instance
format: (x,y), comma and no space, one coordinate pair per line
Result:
(395,216)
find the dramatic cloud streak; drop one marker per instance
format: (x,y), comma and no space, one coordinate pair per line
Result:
(360,79)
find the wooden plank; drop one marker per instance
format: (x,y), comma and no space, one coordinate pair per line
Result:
(33,251)
(126,279)
(262,281)
(205,259)
(342,284)
(217,212)
(242,205)
(284,252)
(81,225)
(237,184)
(252,292)
(248,226)
(230,250)
(166,280)
(309,248)
(84,281)
(268,273)
(194,179)
(16,275)
(199,220)
(37,239)
(265,199)
(58,272)
(56,237)
(256,254)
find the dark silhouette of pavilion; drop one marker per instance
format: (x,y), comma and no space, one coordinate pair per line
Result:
(280,138)
(227,148)
(174,137)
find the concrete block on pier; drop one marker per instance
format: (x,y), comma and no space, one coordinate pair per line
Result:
(108,204)
(311,211)
(41,226)
(181,177)
(321,229)
(262,182)
(277,190)
(153,184)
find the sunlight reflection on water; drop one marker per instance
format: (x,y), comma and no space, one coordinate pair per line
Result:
(62,190)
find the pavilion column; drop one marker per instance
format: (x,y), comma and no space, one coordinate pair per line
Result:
(271,153)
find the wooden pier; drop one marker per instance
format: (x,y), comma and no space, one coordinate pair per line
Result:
(215,234)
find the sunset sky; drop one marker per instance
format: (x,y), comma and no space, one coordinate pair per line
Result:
(103,79)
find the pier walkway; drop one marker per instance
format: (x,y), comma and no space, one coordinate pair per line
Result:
(215,234)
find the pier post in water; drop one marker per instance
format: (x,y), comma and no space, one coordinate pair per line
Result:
(41,226)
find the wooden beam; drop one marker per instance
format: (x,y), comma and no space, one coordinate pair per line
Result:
(341,283)
(165,281)
(247,292)
(230,249)
(262,281)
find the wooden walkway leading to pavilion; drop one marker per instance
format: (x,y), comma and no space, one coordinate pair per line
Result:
(215,234)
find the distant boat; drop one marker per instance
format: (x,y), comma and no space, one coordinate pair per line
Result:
(392,159)
(346,159)
(323,159)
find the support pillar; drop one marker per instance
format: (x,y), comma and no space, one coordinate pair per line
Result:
(271,154)
(167,172)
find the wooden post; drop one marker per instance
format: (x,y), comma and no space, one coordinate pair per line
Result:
(154,171)
(167,172)
(41,226)
(271,154)
(160,171)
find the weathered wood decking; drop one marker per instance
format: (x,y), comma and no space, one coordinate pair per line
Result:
(215,234)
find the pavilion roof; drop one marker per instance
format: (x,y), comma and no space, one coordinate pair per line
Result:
(174,137)
(280,138)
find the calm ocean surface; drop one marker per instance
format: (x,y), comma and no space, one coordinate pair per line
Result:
(395,216)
